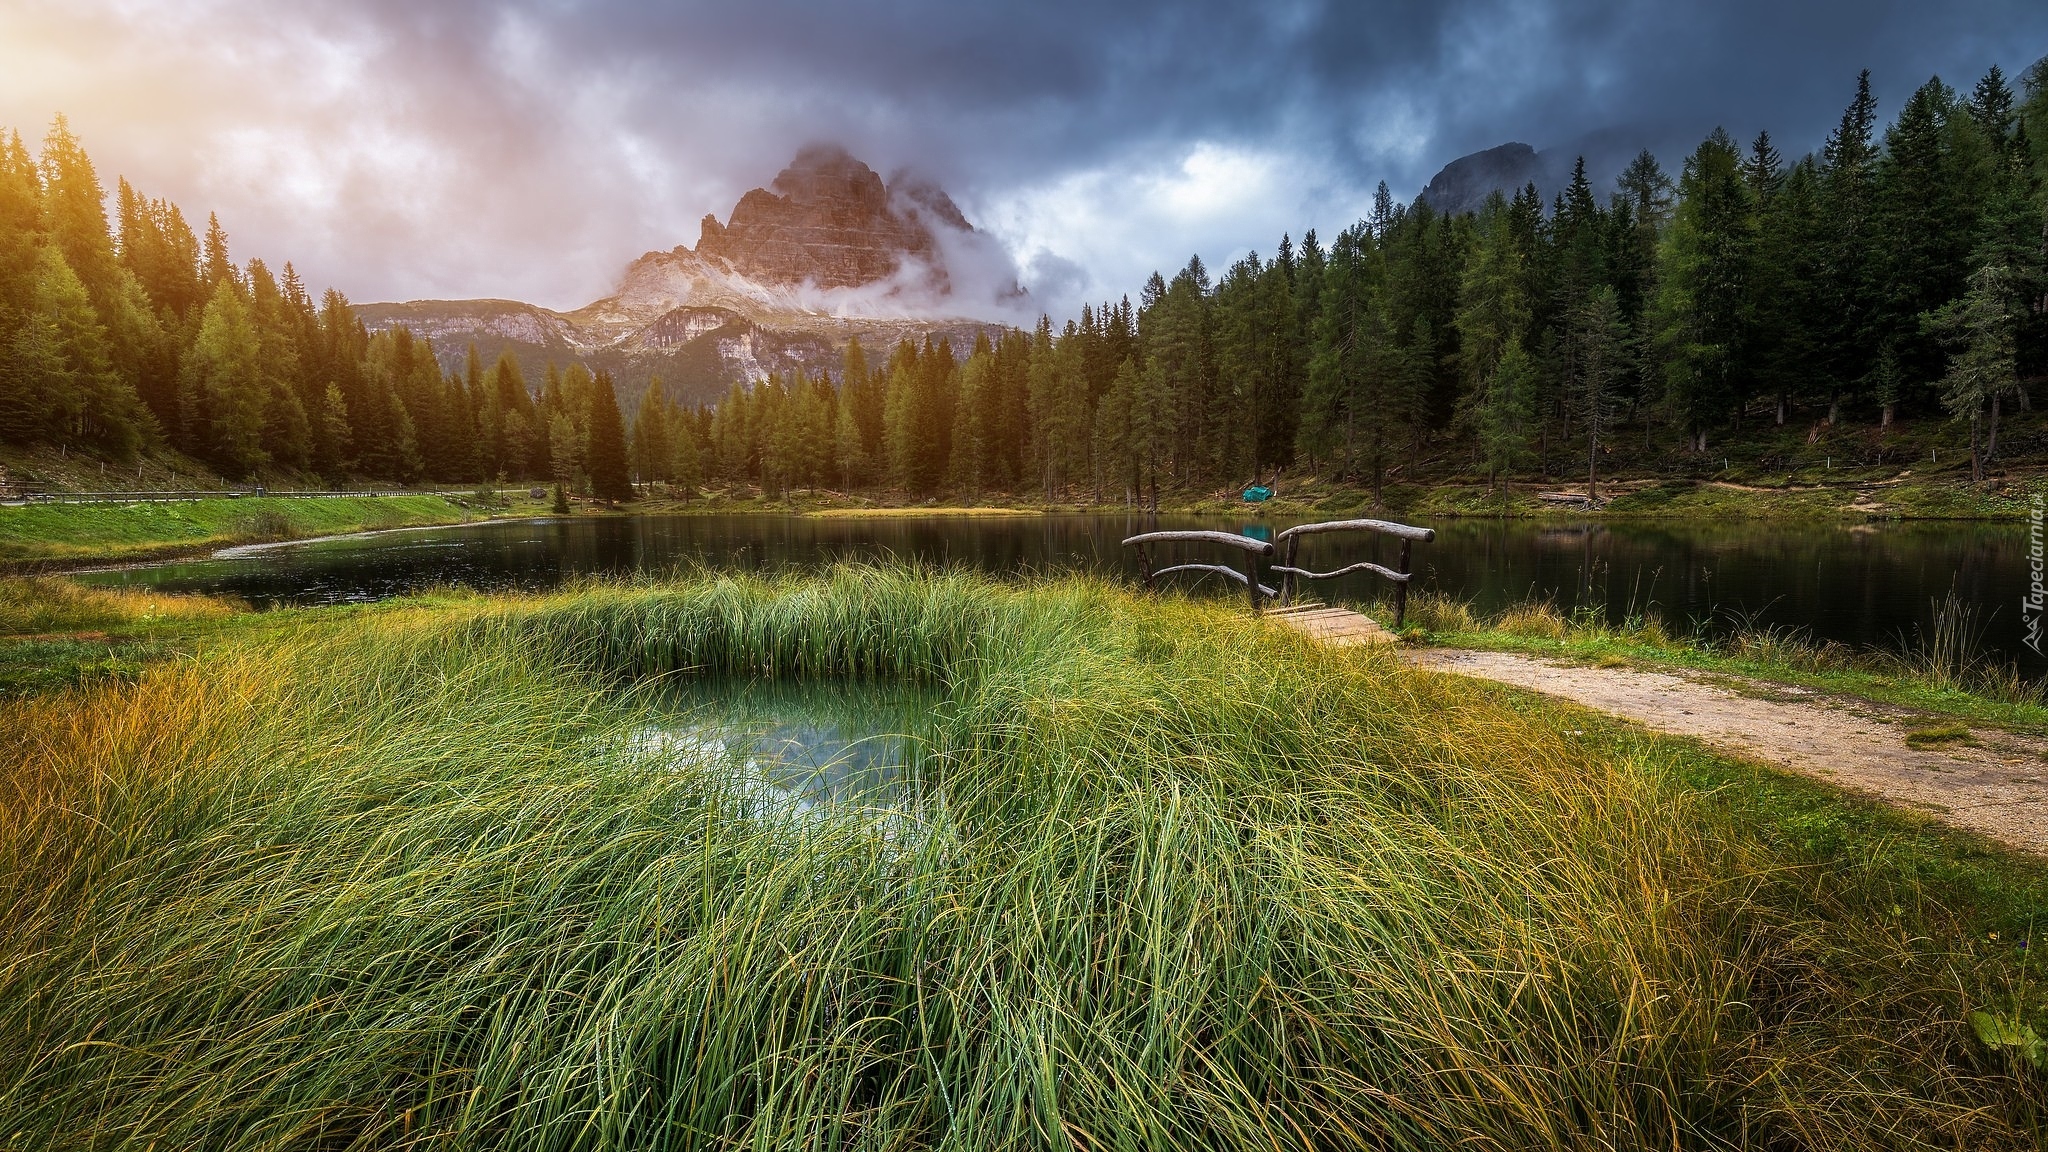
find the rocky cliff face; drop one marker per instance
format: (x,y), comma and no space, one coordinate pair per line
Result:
(1464,184)
(827,237)
(828,220)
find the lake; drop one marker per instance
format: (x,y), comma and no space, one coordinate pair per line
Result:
(1862,584)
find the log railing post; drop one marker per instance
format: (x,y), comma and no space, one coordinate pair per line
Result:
(1401,587)
(1287,579)
(1145,567)
(1251,579)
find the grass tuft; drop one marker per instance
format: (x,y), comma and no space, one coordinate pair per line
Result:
(34,605)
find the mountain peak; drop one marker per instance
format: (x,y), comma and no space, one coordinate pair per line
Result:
(828,221)
(1464,184)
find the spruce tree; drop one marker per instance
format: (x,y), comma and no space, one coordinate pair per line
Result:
(652,453)
(605,453)
(1928,228)
(75,213)
(1983,371)
(21,238)
(565,451)
(334,444)
(1849,288)
(1603,363)
(1702,304)
(1504,410)
(687,470)
(1493,317)
(222,390)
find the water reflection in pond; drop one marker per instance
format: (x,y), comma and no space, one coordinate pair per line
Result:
(802,751)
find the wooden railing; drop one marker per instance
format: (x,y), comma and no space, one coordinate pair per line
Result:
(1253,550)
(1408,534)
(1290,573)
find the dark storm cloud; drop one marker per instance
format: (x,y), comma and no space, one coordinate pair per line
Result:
(413,148)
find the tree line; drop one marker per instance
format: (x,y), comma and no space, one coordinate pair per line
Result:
(1899,272)
(1895,273)
(126,333)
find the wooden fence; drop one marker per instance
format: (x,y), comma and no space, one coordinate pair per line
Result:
(1289,571)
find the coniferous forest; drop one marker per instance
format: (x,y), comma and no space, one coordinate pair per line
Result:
(1898,275)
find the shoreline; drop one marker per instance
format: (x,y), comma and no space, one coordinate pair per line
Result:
(1633,502)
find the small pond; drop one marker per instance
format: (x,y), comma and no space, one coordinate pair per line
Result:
(801,750)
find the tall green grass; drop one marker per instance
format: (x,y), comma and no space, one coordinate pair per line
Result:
(1180,881)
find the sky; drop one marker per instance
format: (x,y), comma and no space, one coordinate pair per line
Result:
(414,149)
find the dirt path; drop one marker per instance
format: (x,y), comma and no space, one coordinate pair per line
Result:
(1999,788)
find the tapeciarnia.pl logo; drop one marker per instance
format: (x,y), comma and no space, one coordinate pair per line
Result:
(2032,603)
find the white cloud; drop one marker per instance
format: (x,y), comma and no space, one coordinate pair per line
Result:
(1097,234)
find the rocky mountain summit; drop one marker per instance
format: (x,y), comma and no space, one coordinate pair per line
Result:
(826,253)
(829,220)
(1464,184)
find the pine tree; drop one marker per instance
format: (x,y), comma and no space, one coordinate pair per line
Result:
(1703,302)
(1117,444)
(968,465)
(1928,226)
(653,453)
(1504,410)
(287,431)
(335,449)
(565,451)
(36,379)
(1764,170)
(1602,364)
(21,221)
(1493,319)
(687,472)
(605,453)
(1646,187)
(1980,326)
(215,268)
(222,388)
(75,213)
(1849,288)
(856,462)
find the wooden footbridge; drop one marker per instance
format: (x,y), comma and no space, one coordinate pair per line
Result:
(1338,626)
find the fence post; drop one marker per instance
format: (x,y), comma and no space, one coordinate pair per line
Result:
(1287,580)
(1251,579)
(1145,567)
(1401,588)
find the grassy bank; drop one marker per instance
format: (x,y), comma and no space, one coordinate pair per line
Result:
(1943,676)
(412,879)
(55,633)
(69,534)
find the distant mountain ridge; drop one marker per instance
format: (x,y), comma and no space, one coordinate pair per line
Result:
(827,253)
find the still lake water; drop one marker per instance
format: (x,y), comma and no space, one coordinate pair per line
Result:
(1860,584)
